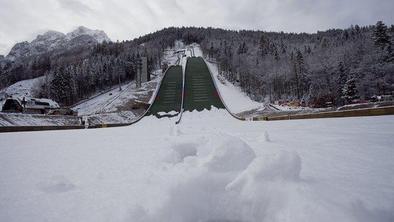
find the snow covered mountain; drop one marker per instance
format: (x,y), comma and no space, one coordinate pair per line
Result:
(52,40)
(98,35)
(1,60)
(43,43)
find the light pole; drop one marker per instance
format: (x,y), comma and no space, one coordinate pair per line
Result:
(139,66)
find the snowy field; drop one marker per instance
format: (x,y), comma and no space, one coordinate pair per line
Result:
(211,167)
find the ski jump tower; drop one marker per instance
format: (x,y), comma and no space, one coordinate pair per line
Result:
(142,71)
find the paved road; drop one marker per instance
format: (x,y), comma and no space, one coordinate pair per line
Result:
(200,91)
(169,97)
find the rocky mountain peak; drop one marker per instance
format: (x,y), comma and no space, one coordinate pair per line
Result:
(49,35)
(51,40)
(98,35)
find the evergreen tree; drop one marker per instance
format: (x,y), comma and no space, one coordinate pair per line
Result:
(324,43)
(211,50)
(342,79)
(389,54)
(264,45)
(300,74)
(358,29)
(380,36)
(349,91)
(62,86)
(243,48)
(276,55)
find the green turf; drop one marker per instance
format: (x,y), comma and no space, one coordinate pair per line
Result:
(200,91)
(169,97)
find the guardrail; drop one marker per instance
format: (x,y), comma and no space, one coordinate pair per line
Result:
(333,114)
(183,94)
(7,129)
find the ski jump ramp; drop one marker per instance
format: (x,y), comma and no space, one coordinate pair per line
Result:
(178,92)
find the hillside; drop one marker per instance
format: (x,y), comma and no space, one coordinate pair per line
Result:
(336,66)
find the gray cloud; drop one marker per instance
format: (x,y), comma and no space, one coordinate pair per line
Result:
(3,48)
(126,19)
(75,6)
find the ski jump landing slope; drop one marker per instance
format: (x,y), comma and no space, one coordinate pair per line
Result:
(200,91)
(168,99)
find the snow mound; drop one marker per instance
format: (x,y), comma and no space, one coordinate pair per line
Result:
(173,112)
(283,166)
(232,155)
(181,151)
(201,195)
(225,181)
(268,189)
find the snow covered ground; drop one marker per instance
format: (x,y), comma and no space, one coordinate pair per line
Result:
(211,167)
(232,96)
(113,100)
(113,118)
(298,108)
(24,88)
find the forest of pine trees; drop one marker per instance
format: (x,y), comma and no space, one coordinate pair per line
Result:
(336,66)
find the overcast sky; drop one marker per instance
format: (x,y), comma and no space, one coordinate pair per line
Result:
(22,20)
